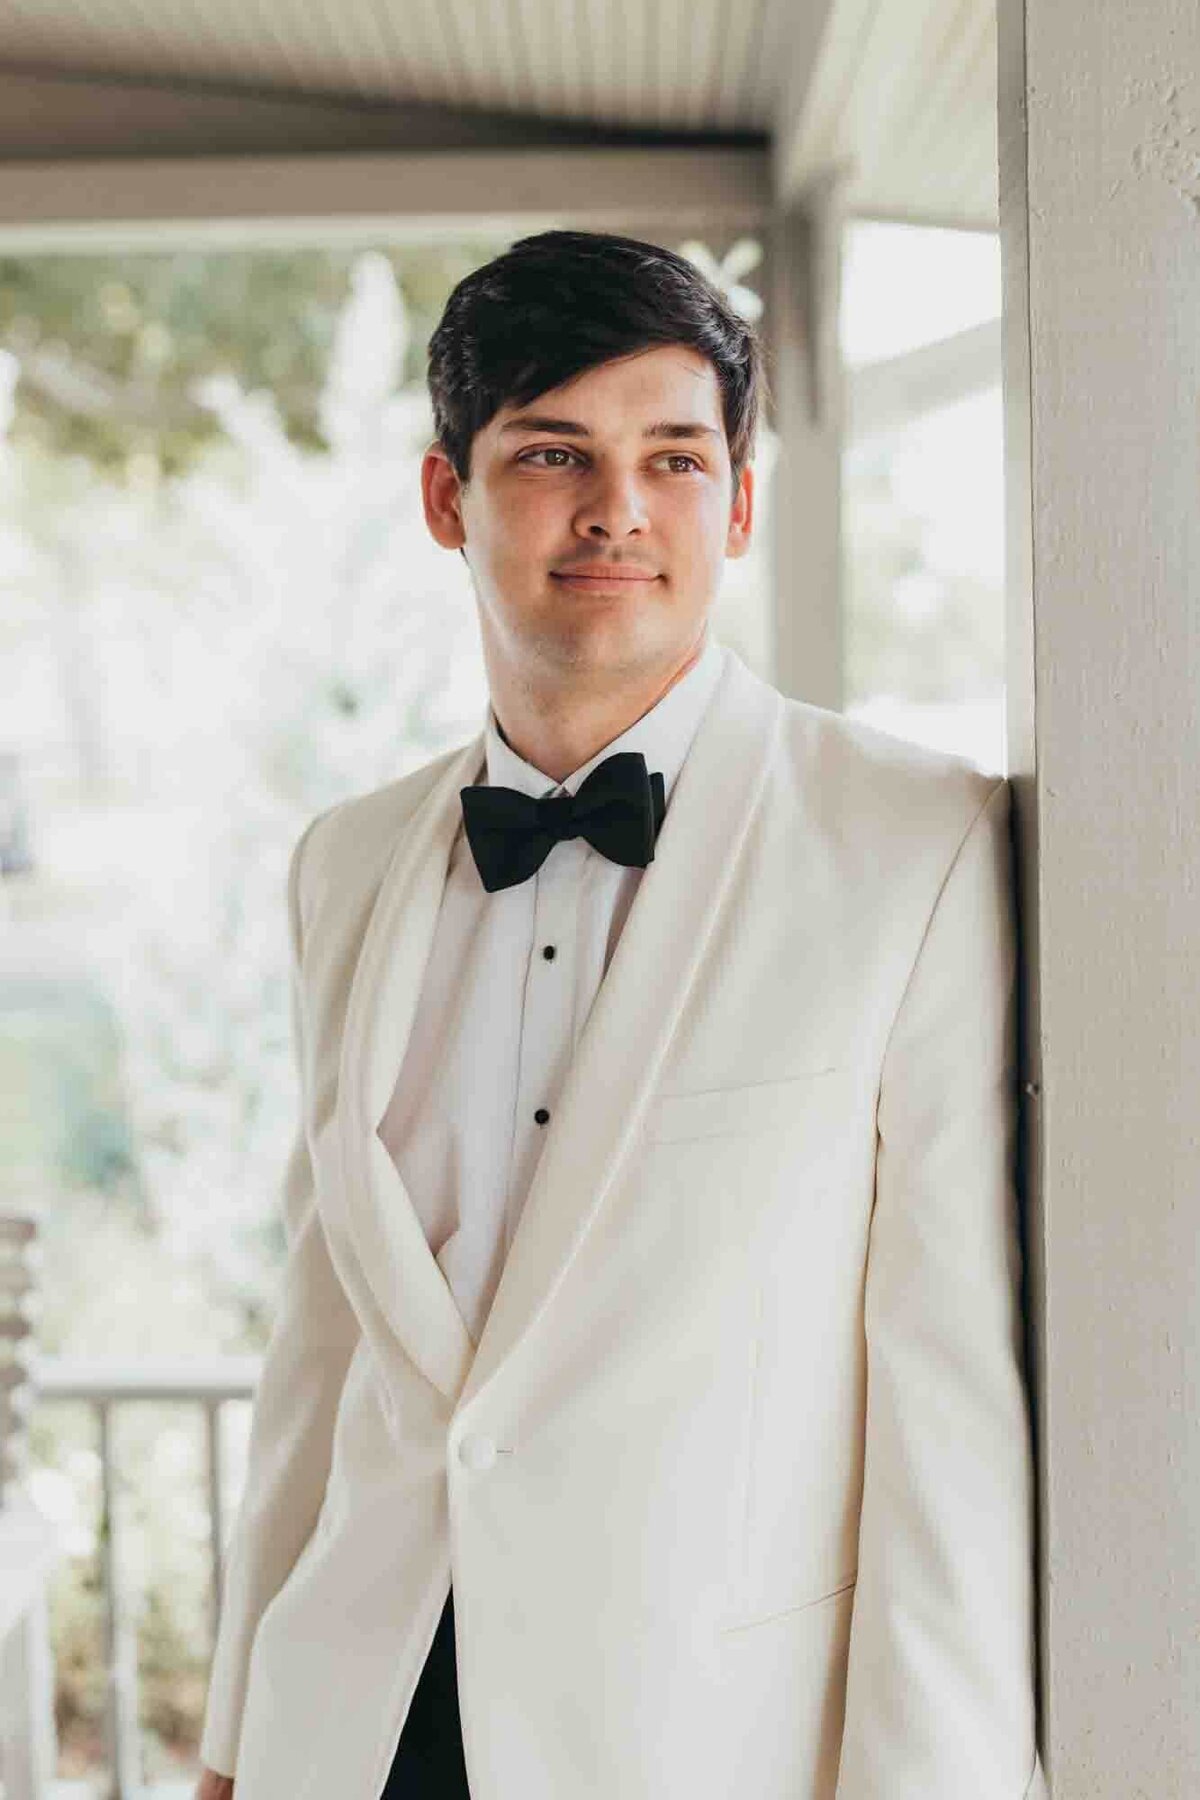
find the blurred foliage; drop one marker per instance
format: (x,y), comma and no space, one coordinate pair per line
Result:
(66,1125)
(221,613)
(911,627)
(111,346)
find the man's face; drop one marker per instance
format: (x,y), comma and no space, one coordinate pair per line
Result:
(621,472)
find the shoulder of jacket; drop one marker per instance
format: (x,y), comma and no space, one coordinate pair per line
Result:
(863,769)
(355,837)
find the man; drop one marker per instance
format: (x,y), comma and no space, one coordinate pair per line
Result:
(644,1415)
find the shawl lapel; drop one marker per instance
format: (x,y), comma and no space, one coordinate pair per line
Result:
(617,1059)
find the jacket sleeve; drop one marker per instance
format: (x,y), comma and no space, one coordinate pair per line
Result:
(940,1678)
(295,1406)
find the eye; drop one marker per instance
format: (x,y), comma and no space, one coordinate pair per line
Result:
(557,450)
(546,450)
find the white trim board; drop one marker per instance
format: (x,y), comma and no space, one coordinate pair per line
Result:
(240,200)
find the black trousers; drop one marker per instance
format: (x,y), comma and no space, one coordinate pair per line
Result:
(429,1762)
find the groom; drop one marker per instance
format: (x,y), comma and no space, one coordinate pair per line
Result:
(644,1414)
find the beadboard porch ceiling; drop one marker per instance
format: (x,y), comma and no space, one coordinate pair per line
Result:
(899,93)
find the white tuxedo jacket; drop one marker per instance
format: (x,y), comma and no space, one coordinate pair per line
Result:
(736,1487)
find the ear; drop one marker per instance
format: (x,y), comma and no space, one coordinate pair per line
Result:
(741,517)
(440,497)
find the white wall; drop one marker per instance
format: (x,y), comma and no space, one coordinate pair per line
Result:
(1100,224)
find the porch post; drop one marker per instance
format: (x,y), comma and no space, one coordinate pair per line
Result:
(803,290)
(1100,228)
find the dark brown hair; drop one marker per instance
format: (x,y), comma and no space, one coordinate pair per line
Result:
(561,302)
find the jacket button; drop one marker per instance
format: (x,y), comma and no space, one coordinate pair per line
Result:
(476,1452)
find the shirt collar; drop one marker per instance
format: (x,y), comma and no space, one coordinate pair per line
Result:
(663,735)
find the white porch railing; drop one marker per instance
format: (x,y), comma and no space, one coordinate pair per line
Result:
(209,1386)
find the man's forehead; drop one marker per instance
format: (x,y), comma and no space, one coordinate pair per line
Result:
(686,404)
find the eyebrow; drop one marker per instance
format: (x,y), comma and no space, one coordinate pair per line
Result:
(661,428)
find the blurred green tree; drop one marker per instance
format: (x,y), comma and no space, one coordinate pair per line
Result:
(110,345)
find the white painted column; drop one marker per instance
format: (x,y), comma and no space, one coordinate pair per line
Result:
(1100,227)
(803,266)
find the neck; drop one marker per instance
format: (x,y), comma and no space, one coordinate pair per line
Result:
(559,733)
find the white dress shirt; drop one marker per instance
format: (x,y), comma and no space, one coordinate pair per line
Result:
(510,981)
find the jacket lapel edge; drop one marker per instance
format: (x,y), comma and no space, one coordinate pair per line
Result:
(638,1005)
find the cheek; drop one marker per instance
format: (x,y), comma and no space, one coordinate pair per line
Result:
(702,507)
(697,534)
(521,520)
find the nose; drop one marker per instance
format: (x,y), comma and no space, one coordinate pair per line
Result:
(613,507)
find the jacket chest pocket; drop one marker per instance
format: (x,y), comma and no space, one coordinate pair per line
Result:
(751,1109)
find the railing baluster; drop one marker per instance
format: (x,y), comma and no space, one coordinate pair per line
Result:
(121,1643)
(20,1256)
(216,1517)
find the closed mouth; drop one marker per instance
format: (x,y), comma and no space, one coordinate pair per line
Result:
(599,575)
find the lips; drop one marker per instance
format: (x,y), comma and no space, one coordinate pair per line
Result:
(600,574)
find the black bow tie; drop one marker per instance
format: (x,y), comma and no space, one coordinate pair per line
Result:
(618,809)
